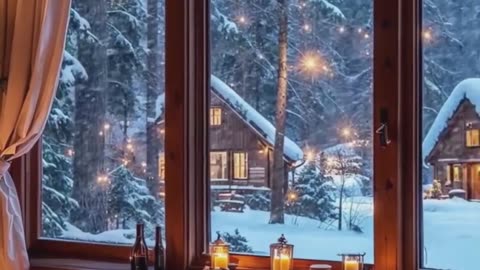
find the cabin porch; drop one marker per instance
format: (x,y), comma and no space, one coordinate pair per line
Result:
(458,176)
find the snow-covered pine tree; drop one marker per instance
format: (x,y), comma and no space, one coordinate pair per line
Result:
(129,201)
(237,242)
(315,194)
(57,150)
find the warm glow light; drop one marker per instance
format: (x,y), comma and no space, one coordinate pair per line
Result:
(310,156)
(306,27)
(366,36)
(330,161)
(70,152)
(106,126)
(102,179)
(242,19)
(312,64)
(130,146)
(144,164)
(346,132)
(341,29)
(427,35)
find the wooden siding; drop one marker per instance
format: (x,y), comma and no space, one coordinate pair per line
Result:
(235,135)
(451,150)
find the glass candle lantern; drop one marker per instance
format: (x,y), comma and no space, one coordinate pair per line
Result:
(281,255)
(352,261)
(219,251)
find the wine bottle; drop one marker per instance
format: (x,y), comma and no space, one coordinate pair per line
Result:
(159,250)
(139,258)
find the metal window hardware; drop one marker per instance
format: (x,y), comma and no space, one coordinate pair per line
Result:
(382,131)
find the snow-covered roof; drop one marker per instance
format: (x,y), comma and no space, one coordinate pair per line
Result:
(468,89)
(251,116)
(254,119)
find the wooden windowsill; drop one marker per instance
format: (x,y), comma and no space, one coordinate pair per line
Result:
(75,264)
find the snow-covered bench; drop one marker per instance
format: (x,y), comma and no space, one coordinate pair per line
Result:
(231,202)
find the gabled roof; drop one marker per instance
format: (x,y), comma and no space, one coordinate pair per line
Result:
(468,89)
(252,117)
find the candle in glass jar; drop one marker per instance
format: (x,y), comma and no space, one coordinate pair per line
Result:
(281,262)
(221,261)
(351,265)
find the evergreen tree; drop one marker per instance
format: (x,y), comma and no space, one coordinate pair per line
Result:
(129,201)
(315,194)
(57,150)
(237,242)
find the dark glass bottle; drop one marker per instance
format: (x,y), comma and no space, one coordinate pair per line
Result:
(139,258)
(159,250)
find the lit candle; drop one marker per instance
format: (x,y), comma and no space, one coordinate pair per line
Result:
(351,265)
(221,261)
(281,262)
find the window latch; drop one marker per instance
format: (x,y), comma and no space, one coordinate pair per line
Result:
(382,131)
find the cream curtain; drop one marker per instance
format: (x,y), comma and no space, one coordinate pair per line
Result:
(32,40)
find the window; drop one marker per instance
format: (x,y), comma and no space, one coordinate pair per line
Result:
(448,116)
(325,124)
(161,166)
(101,147)
(329,117)
(240,165)
(472,138)
(215,116)
(218,166)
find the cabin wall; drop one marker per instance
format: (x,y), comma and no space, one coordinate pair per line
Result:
(235,135)
(451,144)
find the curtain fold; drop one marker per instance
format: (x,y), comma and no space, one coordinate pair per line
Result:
(32,40)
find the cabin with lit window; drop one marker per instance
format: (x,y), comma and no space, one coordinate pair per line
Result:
(241,141)
(452,145)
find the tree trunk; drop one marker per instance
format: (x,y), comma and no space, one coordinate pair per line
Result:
(153,90)
(340,203)
(89,118)
(278,192)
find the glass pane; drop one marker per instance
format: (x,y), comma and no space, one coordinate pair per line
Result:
(317,176)
(450,153)
(103,162)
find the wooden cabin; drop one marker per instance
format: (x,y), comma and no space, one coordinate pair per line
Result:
(241,141)
(452,145)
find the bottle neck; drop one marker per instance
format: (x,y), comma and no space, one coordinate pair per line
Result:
(158,236)
(140,229)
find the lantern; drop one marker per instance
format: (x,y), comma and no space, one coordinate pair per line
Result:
(281,255)
(219,253)
(352,261)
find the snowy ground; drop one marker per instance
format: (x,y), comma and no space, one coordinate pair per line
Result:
(452,233)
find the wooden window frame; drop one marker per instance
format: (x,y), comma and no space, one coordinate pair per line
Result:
(216,120)
(234,176)
(225,153)
(470,138)
(396,188)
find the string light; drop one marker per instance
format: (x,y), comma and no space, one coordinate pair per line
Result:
(144,164)
(346,132)
(306,27)
(310,156)
(330,161)
(312,63)
(70,152)
(100,133)
(106,126)
(341,29)
(427,35)
(242,19)
(366,36)
(360,30)
(130,146)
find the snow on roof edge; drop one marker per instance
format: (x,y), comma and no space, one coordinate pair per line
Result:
(254,119)
(467,89)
